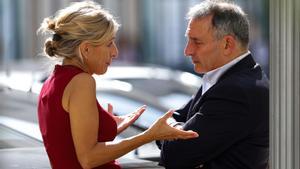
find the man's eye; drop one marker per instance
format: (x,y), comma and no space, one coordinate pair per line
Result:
(198,43)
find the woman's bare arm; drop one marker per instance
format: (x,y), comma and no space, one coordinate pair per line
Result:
(84,119)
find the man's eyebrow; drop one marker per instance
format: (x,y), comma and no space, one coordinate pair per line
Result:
(194,39)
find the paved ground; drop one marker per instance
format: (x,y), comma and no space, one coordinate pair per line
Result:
(36,158)
(19,105)
(18,151)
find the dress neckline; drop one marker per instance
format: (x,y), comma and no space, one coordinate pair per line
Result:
(58,67)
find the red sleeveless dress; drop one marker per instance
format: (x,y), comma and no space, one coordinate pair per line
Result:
(55,126)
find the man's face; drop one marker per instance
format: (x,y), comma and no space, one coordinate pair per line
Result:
(203,48)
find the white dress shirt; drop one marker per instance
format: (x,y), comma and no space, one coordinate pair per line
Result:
(210,78)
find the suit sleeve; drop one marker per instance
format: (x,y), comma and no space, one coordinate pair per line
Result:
(220,122)
(180,117)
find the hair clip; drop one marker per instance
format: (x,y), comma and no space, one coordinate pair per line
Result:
(56,37)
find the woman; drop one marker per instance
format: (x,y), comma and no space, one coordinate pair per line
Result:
(77,132)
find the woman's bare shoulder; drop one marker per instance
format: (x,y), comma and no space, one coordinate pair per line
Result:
(82,81)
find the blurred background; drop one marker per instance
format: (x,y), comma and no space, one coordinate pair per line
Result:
(151,68)
(152,31)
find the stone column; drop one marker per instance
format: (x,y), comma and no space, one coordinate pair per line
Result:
(284,84)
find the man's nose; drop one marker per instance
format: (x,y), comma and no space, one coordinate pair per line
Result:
(188,50)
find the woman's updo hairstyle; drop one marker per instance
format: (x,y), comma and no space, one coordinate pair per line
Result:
(82,21)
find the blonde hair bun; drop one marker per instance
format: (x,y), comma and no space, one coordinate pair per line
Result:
(81,21)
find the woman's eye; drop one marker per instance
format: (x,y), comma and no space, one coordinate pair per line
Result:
(110,44)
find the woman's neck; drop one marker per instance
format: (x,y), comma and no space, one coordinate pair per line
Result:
(75,62)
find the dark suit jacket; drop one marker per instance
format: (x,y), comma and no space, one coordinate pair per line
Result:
(232,120)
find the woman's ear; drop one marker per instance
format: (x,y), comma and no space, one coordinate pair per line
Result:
(84,48)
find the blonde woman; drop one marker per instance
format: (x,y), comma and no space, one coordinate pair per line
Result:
(77,132)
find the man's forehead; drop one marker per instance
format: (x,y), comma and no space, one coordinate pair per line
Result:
(187,31)
(197,26)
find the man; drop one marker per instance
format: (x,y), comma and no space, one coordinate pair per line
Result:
(231,109)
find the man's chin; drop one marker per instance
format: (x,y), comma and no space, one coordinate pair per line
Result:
(199,70)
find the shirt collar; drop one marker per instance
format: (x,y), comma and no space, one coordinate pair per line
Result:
(210,78)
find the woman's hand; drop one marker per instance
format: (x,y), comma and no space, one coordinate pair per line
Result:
(161,130)
(126,120)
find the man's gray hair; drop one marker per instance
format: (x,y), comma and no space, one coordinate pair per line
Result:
(227,19)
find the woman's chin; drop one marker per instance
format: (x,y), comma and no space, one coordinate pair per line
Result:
(101,72)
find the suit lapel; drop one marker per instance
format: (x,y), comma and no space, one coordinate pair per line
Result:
(194,103)
(246,63)
(197,103)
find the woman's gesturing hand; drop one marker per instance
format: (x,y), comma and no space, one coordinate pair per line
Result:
(126,120)
(161,130)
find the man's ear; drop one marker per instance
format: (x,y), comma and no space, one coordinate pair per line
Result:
(229,44)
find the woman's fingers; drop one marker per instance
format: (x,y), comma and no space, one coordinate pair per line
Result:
(109,108)
(176,133)
(165,131)
(187,134)
(140,110)
(136,114)
(132,117)
(167,115)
